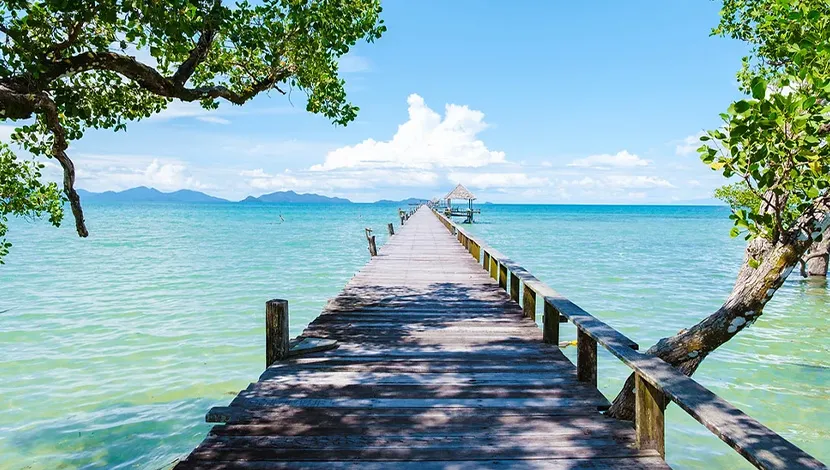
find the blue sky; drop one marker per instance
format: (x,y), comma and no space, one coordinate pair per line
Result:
(543,102)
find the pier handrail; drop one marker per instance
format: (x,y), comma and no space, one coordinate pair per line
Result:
(656,381)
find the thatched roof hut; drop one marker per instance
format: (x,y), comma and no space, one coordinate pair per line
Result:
(460,192)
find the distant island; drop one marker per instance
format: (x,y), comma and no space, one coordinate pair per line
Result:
(145,194)
(290,197)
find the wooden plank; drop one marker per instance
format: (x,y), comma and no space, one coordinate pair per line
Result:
(542,450)
(593,463)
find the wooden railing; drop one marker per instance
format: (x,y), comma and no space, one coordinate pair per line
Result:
(657,382)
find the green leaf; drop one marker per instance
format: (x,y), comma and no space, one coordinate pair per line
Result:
(759,88)
(812,192)
(734,232)
(742,106)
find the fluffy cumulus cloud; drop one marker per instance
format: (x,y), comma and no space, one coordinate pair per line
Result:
(498,180)
(118,172)
(605,161)
(425,141)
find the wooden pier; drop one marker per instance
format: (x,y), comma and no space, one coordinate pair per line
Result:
(440,364)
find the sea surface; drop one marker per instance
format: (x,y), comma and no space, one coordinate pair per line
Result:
(112,348)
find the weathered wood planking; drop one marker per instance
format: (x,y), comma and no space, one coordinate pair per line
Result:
(657,383)
(436,368)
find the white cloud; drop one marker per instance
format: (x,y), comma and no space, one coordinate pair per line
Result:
(497,180)
(259,179)
(118,172)
(184,109)
(621,182)
(424,142)
(694,183)
(213,119)
(689,145)
(621,159)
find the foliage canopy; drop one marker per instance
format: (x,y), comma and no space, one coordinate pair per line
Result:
(70,65)
(774,141)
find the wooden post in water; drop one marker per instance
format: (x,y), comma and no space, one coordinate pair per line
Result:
(373,248)
(391,227)
(586,358)
(514,287)
(529,303)
(276,331)
(503,276)
(550,325)
(649,416)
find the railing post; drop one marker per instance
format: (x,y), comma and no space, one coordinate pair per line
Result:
(514,287)
(494,268)
(276,331)
(503,276)
(477,251)
(486,260)
(649,416)
(529,303)
(550,324)
(586,358)
(373,248)
(391,227)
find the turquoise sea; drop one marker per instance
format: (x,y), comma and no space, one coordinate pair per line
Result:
(113,348)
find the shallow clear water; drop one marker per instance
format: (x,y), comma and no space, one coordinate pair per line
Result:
(113,348)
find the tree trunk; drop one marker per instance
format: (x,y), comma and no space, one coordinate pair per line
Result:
(754,287)
(817,258)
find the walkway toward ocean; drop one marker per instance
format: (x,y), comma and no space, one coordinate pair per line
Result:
(436,368)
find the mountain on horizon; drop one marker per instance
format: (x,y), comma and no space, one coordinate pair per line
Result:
(145,194)
(292,197)
(411,200)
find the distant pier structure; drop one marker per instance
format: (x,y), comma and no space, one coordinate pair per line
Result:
(460,193)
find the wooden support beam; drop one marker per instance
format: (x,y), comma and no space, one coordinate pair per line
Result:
(391,227)
(529,303)
(494,268)
(486,260)
(649,416)
(550,325)
(503,276)
(276,331)
(475,250)
(514,287)
(586,358)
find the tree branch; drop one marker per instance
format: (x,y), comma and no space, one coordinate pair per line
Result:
(199,53)
(41,103)
(151,80)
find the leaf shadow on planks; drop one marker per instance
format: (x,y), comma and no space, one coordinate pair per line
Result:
(436,373)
